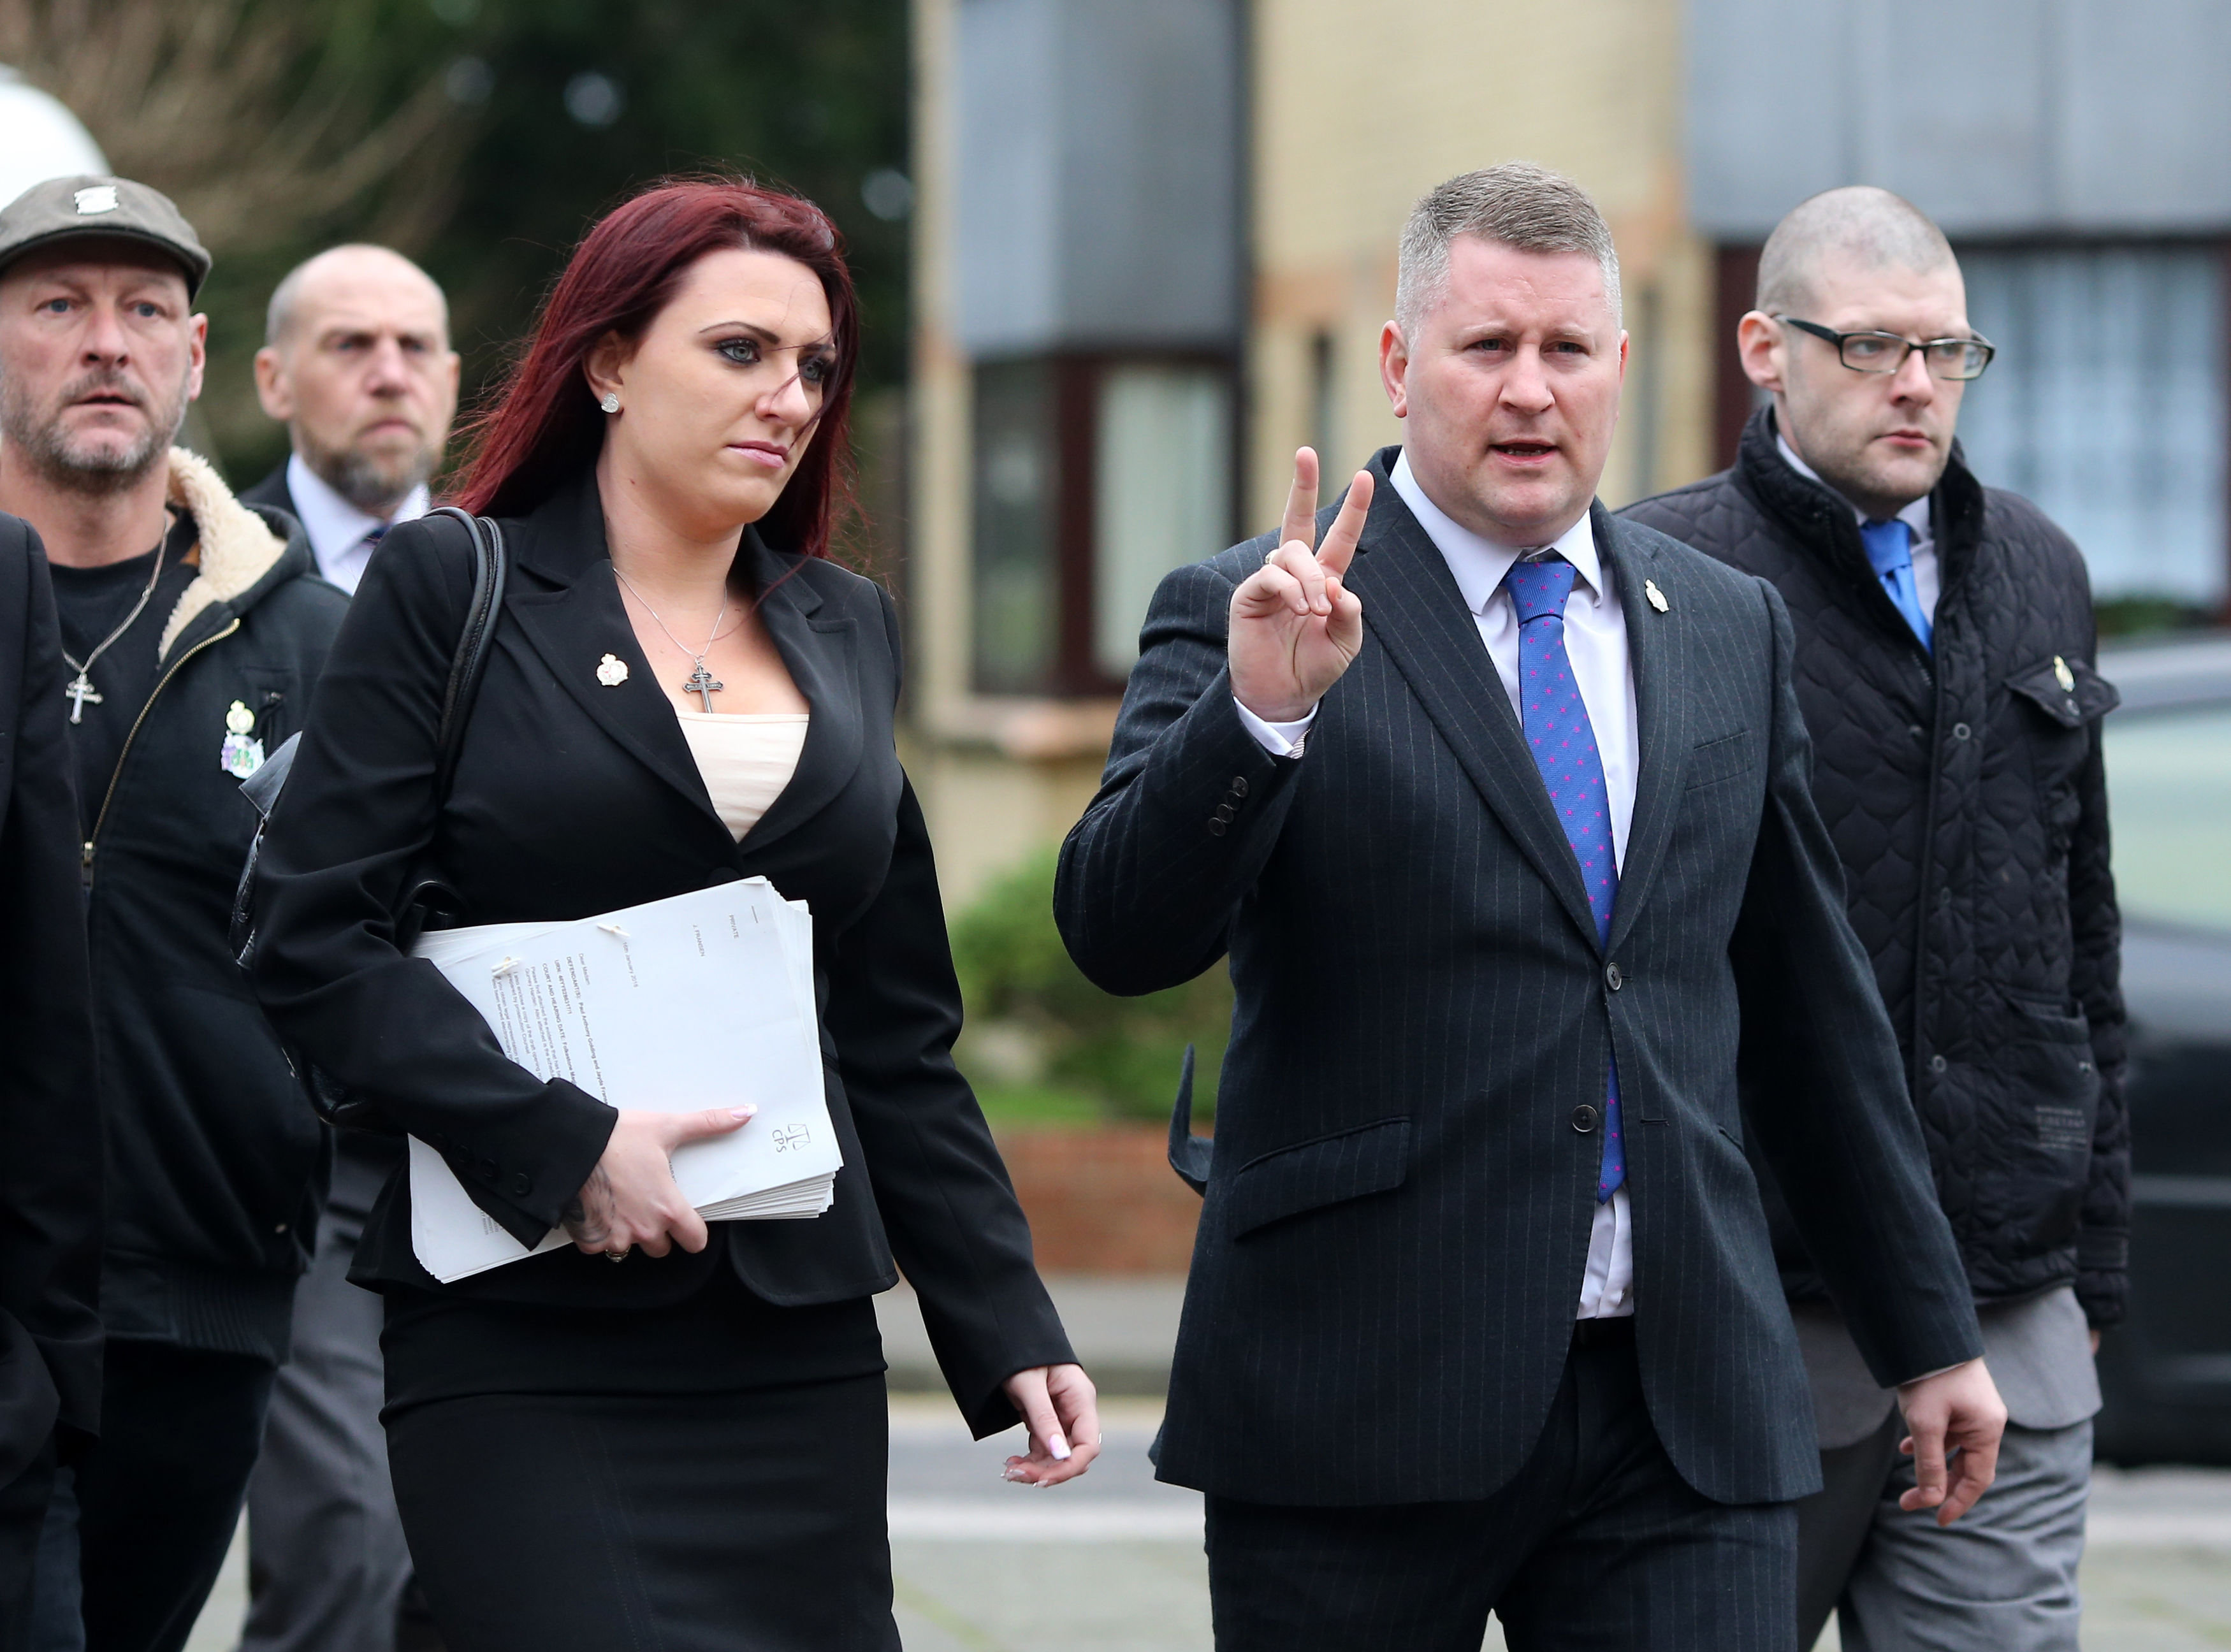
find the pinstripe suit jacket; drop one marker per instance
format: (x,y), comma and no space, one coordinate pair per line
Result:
(1398,1210)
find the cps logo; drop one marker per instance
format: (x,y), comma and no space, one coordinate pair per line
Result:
(791,1136)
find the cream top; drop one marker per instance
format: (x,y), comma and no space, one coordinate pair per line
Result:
(746,760)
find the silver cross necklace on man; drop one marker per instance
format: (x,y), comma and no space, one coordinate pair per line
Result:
(701,682)
(81,692)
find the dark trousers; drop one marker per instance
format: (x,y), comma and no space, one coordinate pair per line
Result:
(1834,1523)
(23,1515)
(1597,1543)
(327,1562)
(154,1501)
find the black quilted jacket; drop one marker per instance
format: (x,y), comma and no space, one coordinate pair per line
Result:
(1967,798)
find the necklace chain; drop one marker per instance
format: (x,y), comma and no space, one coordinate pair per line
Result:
(701,682)
(81,693)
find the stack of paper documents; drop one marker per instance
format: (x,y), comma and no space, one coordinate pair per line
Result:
(704,1000)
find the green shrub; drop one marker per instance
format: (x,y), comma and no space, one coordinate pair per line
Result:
(1044,1045)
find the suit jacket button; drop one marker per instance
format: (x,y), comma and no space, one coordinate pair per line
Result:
(486,1168)
(1937,1063)
(521,1185)
(1216,829)
(1239,785)
(1584,1117)
(1224,812)
(1613,978)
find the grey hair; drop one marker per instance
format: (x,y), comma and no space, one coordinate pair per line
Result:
(1871,227)
(279,315)
(1524,206)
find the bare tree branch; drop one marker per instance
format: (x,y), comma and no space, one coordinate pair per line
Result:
(244,112)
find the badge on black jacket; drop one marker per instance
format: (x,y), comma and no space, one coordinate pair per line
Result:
(242,754)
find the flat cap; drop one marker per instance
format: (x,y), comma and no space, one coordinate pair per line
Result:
(62,207)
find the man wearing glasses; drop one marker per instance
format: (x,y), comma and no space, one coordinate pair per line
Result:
(1945,666)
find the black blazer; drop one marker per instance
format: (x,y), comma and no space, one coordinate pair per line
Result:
(1397,1210)
(273,492)
(572,798)
(50,1144)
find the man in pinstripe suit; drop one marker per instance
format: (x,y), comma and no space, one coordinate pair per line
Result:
(1500,809)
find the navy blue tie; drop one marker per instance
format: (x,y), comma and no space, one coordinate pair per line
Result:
(1563,742)
(1889,553)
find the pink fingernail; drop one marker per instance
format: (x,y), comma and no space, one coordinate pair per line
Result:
(1057,1448)
(743,1112)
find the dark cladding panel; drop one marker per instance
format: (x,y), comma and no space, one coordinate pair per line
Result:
(1099,175)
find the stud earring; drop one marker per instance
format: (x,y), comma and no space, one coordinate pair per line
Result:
(612,402)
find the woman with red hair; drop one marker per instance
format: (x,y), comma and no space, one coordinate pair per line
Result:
(686,1449)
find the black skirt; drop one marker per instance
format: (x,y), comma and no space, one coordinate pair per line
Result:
(705,1478)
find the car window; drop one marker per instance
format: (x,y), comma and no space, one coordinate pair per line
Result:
(2168,808)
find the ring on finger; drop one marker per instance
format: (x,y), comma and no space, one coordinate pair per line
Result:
(1272,555)
(618,1255)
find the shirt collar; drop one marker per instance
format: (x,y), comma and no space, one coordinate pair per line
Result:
(1914,516)
(334,525)
(1479,565)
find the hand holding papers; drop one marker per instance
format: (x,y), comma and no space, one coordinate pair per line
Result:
(703,1000)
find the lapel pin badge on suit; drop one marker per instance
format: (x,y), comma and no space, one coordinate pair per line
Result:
(611,671)
(2063,676)
(1657,596)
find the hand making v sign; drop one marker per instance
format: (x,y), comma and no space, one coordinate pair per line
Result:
(1295,625)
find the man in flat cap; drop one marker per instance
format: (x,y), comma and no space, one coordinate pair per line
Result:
(192,629)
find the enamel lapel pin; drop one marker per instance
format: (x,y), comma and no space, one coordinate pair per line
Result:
(242,753)
(1657,596)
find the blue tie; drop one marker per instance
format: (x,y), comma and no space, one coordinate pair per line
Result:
(1564,746)
(1889,553)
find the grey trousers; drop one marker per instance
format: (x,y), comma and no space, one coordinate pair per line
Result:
(327,1562)
(2003,1576)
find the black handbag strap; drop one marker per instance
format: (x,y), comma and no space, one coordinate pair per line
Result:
(424,897)
(427,901)
(471,661)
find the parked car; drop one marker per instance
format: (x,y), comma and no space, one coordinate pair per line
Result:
(2167,1369)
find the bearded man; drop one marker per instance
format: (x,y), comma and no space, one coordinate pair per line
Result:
(357,364)
(193,629)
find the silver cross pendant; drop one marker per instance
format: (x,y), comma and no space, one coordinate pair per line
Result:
(701,684)
(80,694)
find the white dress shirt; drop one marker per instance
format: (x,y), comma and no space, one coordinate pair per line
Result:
(339,531)
(1595,640)
(1914,516)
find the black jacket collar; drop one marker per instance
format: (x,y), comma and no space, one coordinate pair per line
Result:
(1818,520)
(568,604)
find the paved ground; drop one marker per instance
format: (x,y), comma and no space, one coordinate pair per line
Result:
(1113,1562)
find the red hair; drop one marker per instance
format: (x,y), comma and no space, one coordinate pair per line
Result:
(543,428)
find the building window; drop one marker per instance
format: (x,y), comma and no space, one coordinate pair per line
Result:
(1095,476)
(1017,579)
(1163,493)
(2106,406)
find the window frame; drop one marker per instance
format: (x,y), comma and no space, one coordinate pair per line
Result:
(1074,394)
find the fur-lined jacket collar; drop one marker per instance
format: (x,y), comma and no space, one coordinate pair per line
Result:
(237,550)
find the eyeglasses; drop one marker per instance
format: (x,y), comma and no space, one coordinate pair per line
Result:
(1958,360)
